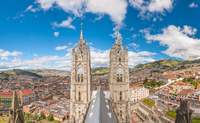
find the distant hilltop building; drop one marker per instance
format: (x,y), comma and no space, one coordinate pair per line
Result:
(110,107)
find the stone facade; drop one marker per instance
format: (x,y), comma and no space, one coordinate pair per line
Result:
(119,80)
(80,92)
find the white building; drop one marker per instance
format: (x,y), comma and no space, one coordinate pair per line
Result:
(138,92)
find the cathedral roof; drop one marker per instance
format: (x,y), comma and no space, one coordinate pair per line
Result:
(100,110)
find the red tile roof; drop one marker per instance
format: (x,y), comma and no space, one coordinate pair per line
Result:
(186,92)
(180,83)
(26,92)
(6,94)
(134,85)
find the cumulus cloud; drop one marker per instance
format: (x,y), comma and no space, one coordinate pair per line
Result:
(46,4)
(99,58)
(193,5)
(141,57)
(116,9)
(43,62)
(4,54)
(160,5)
(179,41)
(147,8)
(65,24)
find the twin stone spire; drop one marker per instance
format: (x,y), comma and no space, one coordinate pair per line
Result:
(118,37)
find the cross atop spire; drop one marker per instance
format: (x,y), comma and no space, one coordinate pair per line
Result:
(81,31)
(118,37)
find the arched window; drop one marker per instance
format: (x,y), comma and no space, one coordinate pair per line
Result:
(120,96)
(120,75)
(80,74)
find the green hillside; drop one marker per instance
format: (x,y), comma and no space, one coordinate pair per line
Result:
(100,71)
(16,72)
(160,64)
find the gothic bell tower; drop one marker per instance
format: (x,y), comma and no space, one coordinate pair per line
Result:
(119,80)
(80,81)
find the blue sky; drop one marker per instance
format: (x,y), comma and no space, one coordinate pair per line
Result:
(40,33)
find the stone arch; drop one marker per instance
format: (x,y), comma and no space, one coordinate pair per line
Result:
(119,74)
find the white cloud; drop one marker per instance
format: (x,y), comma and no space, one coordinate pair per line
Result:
(46,4)
(160,5)
(65,24)
(31,9)
(147,8)
(99,58)
(141,57)
(133,45)
(64,47)
(56,34)
(68,47)
(180,41)
(193,5)
(4,54)
(43,62)
(116,9)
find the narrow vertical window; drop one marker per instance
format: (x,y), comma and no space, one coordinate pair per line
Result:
(120,113)
(78,79)
(119,59)
(120,96)
(79,96)
(81,77)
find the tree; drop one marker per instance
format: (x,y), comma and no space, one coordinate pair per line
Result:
(50,117)
(42,116)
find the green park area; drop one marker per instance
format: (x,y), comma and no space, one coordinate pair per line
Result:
(192,81)
(149,102)
(39,118)
(29,118)
(100,71)
(153,84)
(172,114)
